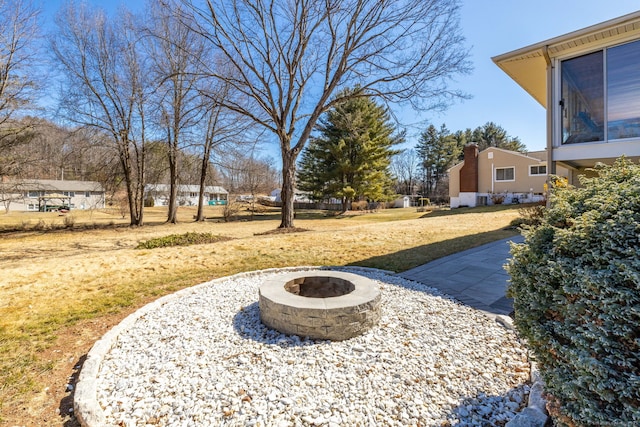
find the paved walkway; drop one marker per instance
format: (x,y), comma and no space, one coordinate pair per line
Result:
(475,277)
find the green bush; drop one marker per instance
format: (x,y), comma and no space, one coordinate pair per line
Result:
(181,240)
(576,284)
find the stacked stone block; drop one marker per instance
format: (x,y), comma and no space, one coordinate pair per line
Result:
(334,318)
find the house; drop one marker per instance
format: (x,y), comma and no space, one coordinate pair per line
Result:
(298,196)
(48,195)
(589,83)
(495,175)
(187,194)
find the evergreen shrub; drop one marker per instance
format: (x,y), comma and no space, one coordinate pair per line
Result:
(576,284)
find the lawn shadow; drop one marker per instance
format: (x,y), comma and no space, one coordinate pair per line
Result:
(478,209)
(413,257)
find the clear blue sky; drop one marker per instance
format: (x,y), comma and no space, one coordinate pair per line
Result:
(491,27)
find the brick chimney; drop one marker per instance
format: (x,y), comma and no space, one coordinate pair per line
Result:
(469,171)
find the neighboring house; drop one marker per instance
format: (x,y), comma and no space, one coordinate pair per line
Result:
(298,197)
(497,175)
(187,194)
(589,83)
(48,195)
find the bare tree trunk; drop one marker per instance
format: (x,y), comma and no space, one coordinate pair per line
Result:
(139,201)
(213,115)
(204,169)
(172,215)
(288,189)
(203,179)
(345,205)
(133,184)
(125,162)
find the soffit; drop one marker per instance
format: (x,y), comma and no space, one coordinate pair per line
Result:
(527,66)
(581,164)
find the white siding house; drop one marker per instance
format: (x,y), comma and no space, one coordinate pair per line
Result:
(187,194)
(47,194)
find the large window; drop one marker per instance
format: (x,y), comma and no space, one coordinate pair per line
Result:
(583,99)
(505,174)
(601,95)
(538,170)
(623,91)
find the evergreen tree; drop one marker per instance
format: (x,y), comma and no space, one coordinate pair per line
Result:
(492,135)
(438,151)
(350,157)
(463,137)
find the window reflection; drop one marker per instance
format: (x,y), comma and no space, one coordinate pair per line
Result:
(623,91)
(583,99)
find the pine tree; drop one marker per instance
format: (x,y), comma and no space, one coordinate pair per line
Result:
(463,137)
(438,151)
(350,157)
(493,135)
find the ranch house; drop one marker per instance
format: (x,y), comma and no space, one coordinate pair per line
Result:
(48,195)
(187,194)
(495,175)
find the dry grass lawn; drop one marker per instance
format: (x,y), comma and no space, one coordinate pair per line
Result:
(61,290)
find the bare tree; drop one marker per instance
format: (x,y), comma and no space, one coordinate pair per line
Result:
(257,175)
(247,173)
(224,130)
(18,36)
(174,50)
(15,137)
(291,59)
(11,191)
(405,167)
(105,87)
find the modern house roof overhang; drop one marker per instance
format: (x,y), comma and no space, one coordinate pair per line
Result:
(527,66)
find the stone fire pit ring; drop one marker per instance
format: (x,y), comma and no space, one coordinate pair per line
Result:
(339,305)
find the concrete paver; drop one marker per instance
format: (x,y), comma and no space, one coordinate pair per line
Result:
(474,277)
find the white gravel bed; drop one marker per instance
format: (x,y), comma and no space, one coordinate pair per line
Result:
(203,358)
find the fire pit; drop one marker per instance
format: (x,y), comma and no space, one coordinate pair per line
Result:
(327,305)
